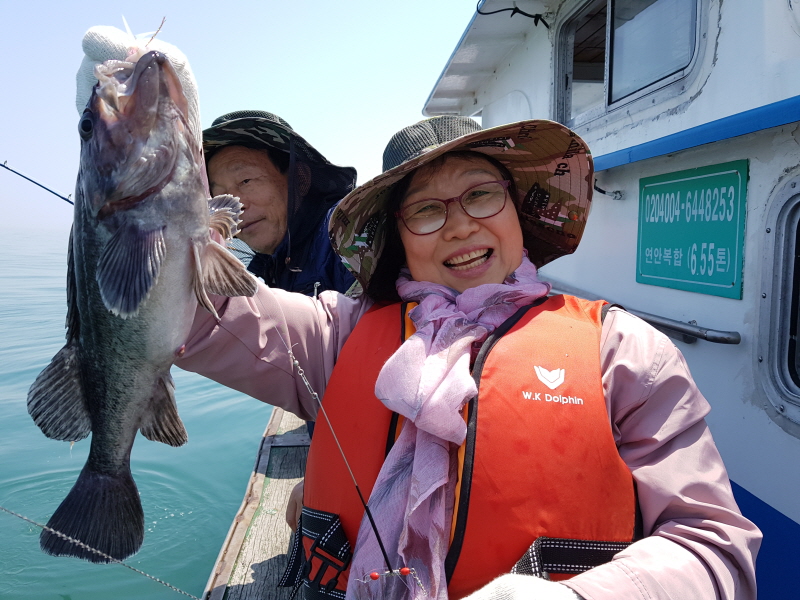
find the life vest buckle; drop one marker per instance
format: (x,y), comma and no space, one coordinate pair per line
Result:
(327,556)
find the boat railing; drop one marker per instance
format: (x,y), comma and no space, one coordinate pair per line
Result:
(687,332)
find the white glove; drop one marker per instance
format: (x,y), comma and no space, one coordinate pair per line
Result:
(104,43)
(523,587)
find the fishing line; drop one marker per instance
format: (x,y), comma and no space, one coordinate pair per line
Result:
(163,20)
(316,397)
(72,540)
(5,166)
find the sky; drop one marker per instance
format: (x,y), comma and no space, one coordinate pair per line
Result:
(345,74)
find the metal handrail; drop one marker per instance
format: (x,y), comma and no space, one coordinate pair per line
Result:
(690,329)
(690,332)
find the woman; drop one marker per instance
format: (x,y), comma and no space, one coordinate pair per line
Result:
(490,447)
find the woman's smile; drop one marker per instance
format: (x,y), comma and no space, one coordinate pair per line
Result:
(469,260)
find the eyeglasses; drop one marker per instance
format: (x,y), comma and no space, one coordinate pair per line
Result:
(479,202)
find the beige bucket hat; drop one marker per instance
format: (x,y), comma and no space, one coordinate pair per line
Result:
(551,166)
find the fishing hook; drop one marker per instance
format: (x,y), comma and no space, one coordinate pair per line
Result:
(404,572)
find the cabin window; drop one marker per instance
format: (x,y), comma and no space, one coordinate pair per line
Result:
(619,50)
(650,40)
(792,355)
(588,42)
(778,353)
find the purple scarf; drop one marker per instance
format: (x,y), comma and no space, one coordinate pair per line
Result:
(428,381)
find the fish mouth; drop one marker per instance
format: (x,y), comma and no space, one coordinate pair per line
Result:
(469,260)
(131,89)
(138,108)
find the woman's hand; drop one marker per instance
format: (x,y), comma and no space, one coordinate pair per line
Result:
(295,505)
(523,587)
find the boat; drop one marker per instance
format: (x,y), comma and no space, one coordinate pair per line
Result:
(692,113)
(253,556)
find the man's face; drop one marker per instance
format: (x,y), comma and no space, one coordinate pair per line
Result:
(250,175)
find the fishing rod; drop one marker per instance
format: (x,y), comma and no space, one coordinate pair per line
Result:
(314,395)
(374,576)
(65,198)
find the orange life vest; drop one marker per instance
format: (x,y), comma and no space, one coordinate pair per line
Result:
(539,460)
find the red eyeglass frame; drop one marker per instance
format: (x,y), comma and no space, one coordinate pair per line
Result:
(504,182)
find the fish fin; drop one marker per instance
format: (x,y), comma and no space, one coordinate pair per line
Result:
(56,400)
(102,511)
(226,211)
(162,423)
(197,282)
(223,275)
(73,317)
(129,268)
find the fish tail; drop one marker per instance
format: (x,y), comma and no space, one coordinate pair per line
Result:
(102,511)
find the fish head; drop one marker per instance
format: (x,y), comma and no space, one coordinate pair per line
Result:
(134,132)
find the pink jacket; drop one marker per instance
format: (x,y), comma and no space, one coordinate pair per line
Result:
(699,545)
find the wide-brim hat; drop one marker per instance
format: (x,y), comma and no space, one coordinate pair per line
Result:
(551,166)
(259,128)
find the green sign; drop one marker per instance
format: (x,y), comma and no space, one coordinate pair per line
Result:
(691,229)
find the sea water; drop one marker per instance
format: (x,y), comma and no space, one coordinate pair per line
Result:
(189,494)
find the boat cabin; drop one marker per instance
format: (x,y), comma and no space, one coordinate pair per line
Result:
(691,109)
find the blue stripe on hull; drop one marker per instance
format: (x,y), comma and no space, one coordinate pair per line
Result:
(777,569)
(764,117)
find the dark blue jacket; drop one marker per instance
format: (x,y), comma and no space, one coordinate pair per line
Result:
(312,261)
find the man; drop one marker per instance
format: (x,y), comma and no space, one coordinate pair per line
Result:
(288,190)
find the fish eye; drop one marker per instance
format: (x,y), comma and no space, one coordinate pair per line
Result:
(86,125)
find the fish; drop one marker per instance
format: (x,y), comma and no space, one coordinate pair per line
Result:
(140,259)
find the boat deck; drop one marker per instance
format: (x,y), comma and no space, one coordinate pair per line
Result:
(253,556)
